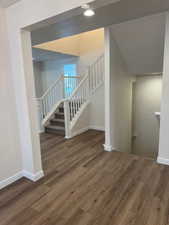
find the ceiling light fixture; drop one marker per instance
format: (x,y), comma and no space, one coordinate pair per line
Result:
(88,11)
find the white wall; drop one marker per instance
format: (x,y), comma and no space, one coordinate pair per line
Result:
(146,101)
(118,98)
(47,72)
(23,141)
(10,160)
(88,59)
(97,113)
(91,46)
(163,156)
(38,79)
(141,42)
(82,125)
(50,71)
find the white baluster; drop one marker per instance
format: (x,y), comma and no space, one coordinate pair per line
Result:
(82,95)
(67,90)
(72,110)
(96,71)
(79,97)
(63,86)
(45,101)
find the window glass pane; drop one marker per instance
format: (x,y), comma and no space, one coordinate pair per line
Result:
(70,70)
(70,83)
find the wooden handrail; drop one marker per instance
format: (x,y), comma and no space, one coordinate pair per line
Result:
(73,77)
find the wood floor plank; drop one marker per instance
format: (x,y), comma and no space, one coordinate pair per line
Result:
(84,185)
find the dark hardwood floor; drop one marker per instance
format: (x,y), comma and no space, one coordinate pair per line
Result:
(83,185)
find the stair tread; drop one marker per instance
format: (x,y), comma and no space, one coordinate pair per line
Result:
(55,127)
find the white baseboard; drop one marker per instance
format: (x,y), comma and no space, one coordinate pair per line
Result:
(10,180)
(41,131)
(34,177)
(19,175)
(66,137)
(163,161)
(97,128)
(108,148)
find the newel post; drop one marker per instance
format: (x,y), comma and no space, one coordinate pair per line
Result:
(67,119)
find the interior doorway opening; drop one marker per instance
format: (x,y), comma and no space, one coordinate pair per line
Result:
(94,125)
(143,55)
(70,71)
(146,115)
(69,83)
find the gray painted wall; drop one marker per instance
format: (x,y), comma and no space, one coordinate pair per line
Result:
(146,101)
(141,43)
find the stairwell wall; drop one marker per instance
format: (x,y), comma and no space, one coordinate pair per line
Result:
(97,112)
(91,49)
(163,155)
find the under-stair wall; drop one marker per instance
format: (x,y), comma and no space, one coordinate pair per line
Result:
(83,124)
(93,116)
(97,110)
(91,52)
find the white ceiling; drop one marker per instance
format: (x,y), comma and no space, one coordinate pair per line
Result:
(6,3)
(76,45)
(141,43)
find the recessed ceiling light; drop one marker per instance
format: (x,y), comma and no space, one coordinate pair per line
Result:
(89,12)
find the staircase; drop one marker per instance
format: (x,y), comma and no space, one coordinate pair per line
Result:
(63,103)
(57,124)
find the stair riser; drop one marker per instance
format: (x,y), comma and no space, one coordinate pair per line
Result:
(57,116)
(62,124)
(61,110)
